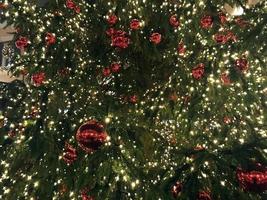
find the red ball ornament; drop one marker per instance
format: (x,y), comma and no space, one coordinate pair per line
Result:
(204,195)
(135,24)
(227,120)
(225,79)
(133,99)
(253,181)
(155,38)
(112,19)
(70,154)
(198,71)
(220,38)
(22,42)
(176,189)
(115,67)
(91,135)
(241,64)
(106,71)
(38,78)
(50,38)
(70,4)
(181,49)
(120,41)
(206,21)
(222,17)
(174,21)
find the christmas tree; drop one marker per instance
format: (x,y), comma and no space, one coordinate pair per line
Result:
(135,99)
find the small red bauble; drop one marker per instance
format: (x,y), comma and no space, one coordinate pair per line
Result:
(120,41)
(112,19)
(86,197)
(227,120)
(38,78)
(115,67)
(220,38)
(135,24)
(91,135)
(22,42)
(222,17)
(155,38)
(203,195)
(176,189)
(181,49)
(174,21)
(225,79)
(133,99)
(241,64)
(70,154)
(77,9)
(106,71)
(50,38)
(254,181)
(70,4)
(198,71)
(206,21)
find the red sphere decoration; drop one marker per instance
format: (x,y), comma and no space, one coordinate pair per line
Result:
(120,41)
(70,154)
(225,79)
(106,71)
(112,19)
(174,21)
(50,38)
(198,71)
(241,64)
(115,67)
(22,42)
(254,181)
(38,78)
(176,189)
(155,38)
(135,24)
(220,38)
(204,195)
(206,21)
(91,135)
(181,49)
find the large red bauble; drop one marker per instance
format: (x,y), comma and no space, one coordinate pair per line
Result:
(91,135)
(254,181)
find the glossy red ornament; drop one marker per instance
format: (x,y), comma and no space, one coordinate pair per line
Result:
(112,19)
(115,67)
(22,42)
(225,79)
(222,17)
(174,21)
(91,136)
(206,21)
(38,78)
(106,71)
(135,24)
(198,71)
(70,4)
(176,189)
(241,64)
(253,181)
(155,38)
(181,49)
(50,38)
(133,99)
(204,195)
(120,41)
(70,154)
(220,38)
